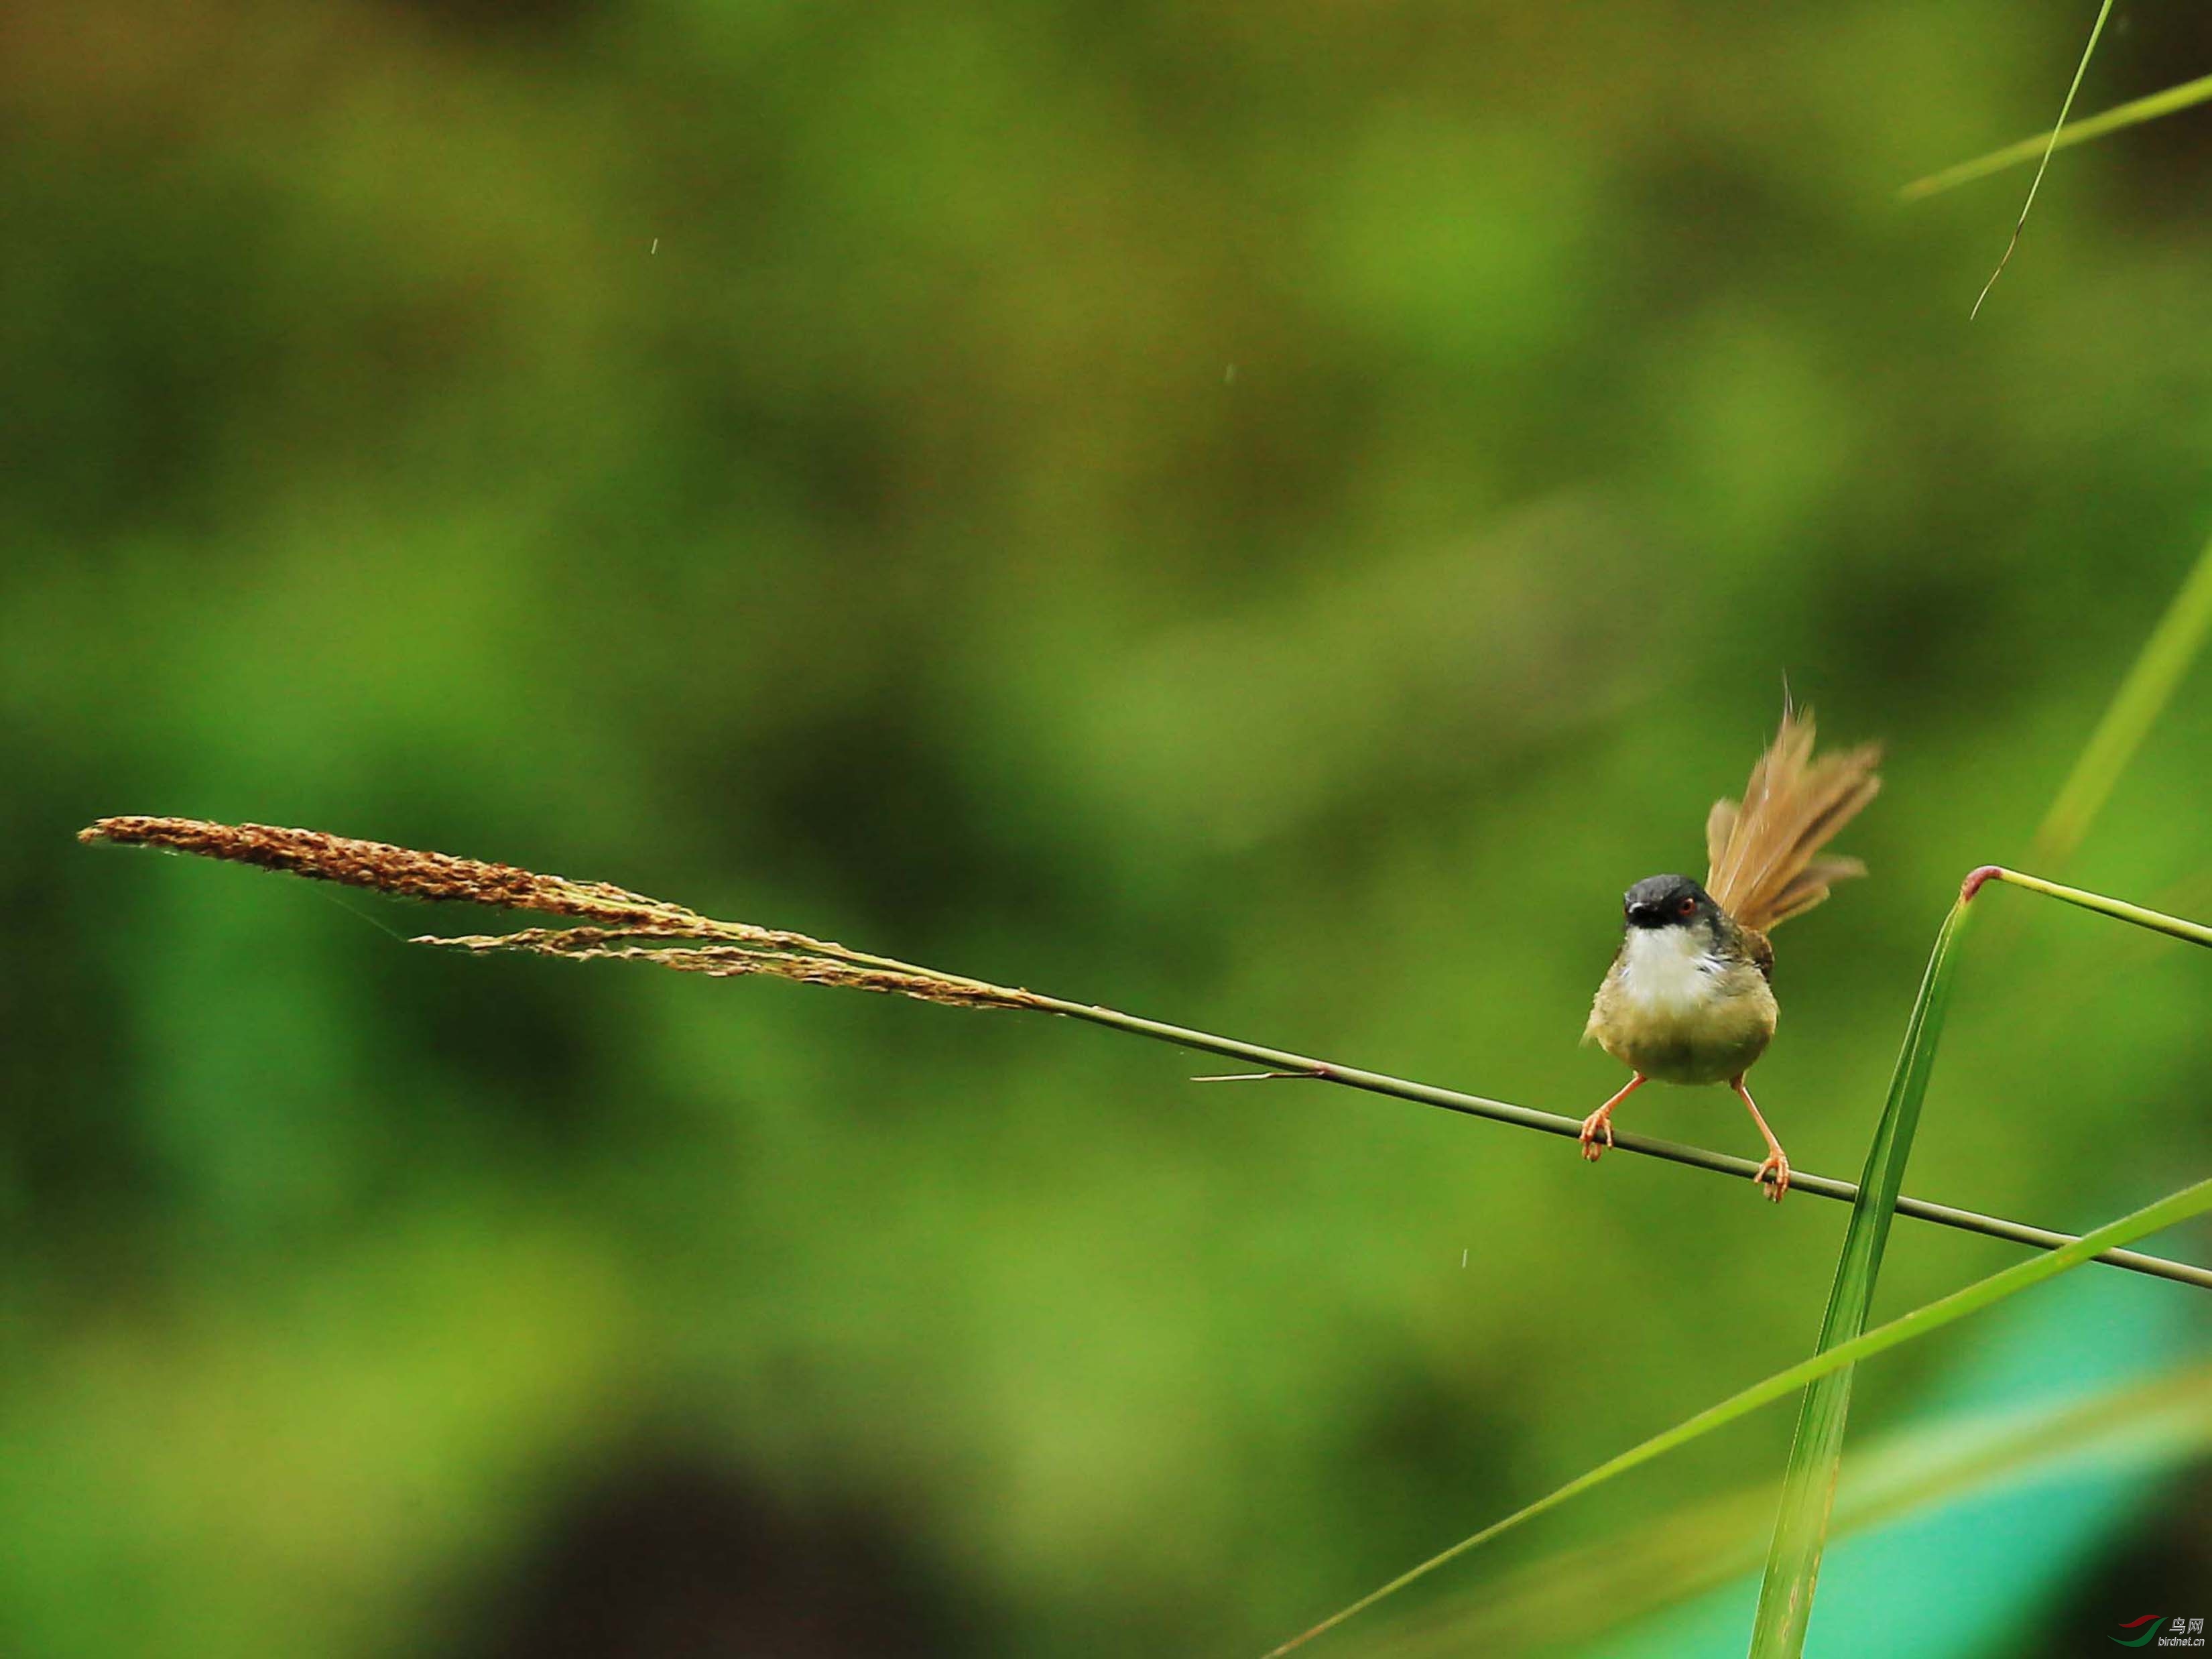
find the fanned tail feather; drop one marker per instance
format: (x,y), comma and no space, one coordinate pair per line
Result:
(1764,868)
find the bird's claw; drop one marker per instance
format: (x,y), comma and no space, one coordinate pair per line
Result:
(1596,1127)
(1773,1177)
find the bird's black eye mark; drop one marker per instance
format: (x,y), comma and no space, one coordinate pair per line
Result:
(1688,906)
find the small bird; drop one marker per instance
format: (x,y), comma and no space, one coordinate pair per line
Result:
(1690,998)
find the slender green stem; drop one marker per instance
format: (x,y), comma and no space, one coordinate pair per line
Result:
(2157,921)
(2096,32)
(619,917)
(2129,115)
(1280,1063)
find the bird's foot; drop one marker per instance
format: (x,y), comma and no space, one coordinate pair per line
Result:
(1773,1177)
(1597,1127)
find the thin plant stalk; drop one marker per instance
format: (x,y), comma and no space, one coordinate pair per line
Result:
(2173,100)
(2042,166)
(2174,927)
(622,926)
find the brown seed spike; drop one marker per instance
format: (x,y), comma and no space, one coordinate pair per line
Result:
(385,868)
(624,926)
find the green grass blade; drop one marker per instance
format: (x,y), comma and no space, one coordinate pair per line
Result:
(1808,1486)
(1921,1322)
(2035,183)
(1578,1594)
(2158,671)
(2121,116)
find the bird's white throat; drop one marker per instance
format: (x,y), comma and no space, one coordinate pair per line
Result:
(1669,969)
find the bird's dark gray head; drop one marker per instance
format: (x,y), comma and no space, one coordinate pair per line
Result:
(1667,902)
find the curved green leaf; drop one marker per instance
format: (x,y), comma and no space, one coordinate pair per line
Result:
(1808,1486)
(2179,1206)
(2136,1423)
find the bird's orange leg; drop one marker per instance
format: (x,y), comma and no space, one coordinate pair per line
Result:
(1776,1167)
(1599,1123)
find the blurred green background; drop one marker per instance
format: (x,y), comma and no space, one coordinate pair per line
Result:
(1266,517)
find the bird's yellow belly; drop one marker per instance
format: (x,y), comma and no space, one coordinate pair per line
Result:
(1684,1023)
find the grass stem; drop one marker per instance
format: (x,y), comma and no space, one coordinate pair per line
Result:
(2133,113)
(1284,1065)
(632,928)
